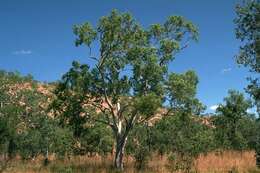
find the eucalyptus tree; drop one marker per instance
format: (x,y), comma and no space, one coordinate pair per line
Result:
(128,83)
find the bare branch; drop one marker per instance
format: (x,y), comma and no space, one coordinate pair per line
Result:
(107,99)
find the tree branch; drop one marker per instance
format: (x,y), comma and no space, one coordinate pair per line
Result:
(107,99)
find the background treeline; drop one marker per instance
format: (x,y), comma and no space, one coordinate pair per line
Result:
(28,129)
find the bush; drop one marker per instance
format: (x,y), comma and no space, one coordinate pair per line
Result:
(257,147)
(139,145)
(183,138)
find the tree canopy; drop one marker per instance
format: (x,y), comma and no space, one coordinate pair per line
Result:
(130,81)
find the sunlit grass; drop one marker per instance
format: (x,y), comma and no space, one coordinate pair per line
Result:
(214,162)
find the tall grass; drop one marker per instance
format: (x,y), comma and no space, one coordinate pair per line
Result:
(226,161)
(214,162)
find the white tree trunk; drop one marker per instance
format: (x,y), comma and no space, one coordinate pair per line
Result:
(120,148)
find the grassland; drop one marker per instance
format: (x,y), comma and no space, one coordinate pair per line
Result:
(214,162)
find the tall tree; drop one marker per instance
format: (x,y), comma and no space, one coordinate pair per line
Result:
(128,83)
(247,30)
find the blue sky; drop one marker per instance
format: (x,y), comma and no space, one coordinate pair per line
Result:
(36,37)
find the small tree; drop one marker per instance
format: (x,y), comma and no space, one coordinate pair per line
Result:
(183,138)
(139,145)
(181,134)
(126,85)
(229,118)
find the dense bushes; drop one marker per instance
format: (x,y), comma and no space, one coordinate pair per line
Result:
(235,127)
(95,139)
(25,127)
(184,139)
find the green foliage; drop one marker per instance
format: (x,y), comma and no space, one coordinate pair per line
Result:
(3,131)
(147,105)
(248,129)
(181,134)
(61,142)
(140,145)
(257,146)
(183,138)
(25,127)
(247,30)
(11,112)
(129,75)
(181,89)
(30,145)
(96,139)
(44,136)
(232,122)
(254,90)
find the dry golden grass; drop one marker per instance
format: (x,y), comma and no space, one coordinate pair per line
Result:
(214,162)
(226,161)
